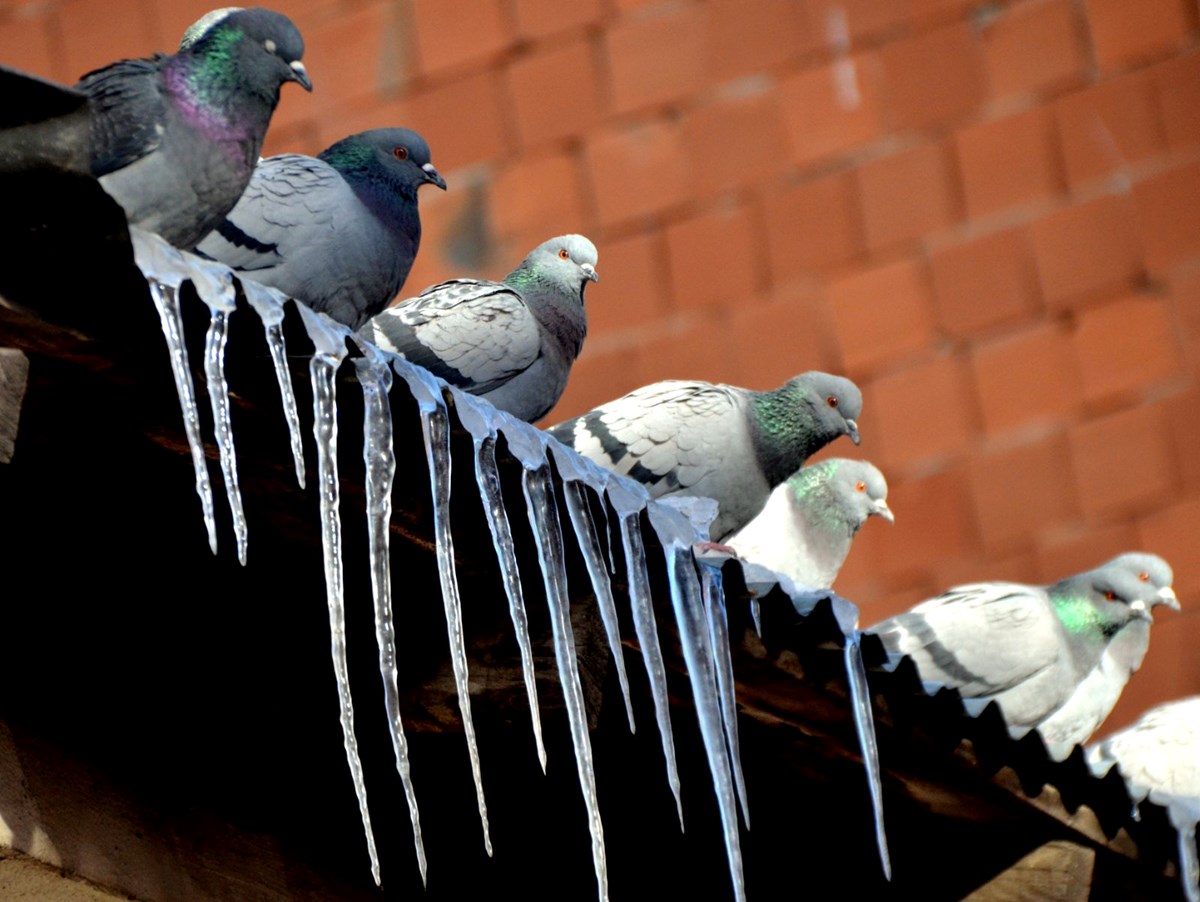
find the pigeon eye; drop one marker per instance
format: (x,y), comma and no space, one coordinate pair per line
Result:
(1144,576)
(1110,595)
(861,486)
(565,254)
(832,401)
(400,153)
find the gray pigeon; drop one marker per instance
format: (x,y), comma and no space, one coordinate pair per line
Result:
(1026,647)
(338,232)
(1081,715)
(717,441)
(174,139)
(805,529)
(511,342)
(1159,757)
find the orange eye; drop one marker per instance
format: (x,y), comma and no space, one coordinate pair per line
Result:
(564,254)
(1111,596)
(400,153)
(1144,576)
(861,486)
(832,401)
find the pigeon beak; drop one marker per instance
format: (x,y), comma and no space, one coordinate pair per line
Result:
(881,508)
(1139,610)
(1166,595)
(433,176)
(852,431)
(300,75)
(589,271)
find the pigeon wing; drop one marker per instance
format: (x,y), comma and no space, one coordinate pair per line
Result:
(127,112)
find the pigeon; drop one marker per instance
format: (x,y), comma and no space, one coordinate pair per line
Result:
(174,139)
(1029,648)
(805,529)
(338,232)
(1159,757)
(1081,715)
(718,441)
(511,342)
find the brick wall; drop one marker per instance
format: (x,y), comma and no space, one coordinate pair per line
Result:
(988,214)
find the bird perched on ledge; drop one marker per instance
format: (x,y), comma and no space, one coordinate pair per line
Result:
(338,232)
(511,342)
(174,139)
(717,441)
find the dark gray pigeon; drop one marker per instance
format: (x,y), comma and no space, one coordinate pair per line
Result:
(511,342)
(717,441)
(1029,648)
(805,529)
(338,232)
(1081,715)
(174,139)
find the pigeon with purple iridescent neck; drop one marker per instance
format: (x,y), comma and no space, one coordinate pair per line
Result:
(174,139)
(339,231)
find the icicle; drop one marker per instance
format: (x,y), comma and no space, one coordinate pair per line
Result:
(543,520)
(713,590)
(628,500)
(329,339)
(574,479)
(165,269)
(478,419)
(435,426)
(268,304)
(380,460)
(686,597)
(214,284)
(864,723)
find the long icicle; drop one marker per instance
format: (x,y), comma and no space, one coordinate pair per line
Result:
(435,426)
(330,351)
(713,590)
(864,724)
(375,377)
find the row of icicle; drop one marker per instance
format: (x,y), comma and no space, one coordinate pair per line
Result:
(696,592)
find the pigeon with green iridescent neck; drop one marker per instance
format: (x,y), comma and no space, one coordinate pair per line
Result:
(1029,648)
(174,139)
(805,529)
(1081,715)
(511,342)
(338,232)
(716,441)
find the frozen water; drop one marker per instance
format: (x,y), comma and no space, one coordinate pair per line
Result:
(718,632)
(864,724)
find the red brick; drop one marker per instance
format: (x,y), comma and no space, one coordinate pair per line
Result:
(446,216)
(1177,86)
(1123,463)
(774,341)
(695,349)
(96,34)
(344,55)
(1009,161)
(934,77)
(301,136)
(598,376)
(537,198)
(933,11)
(907,195)
(1171,533)
(1170,671)
(1022,493)
(812,226)
(1016,567)
(882,315)
(657,58)
(1183,415)
(25,45)
(1084,250)
(539,18)
(844,20)
(748,36)
(985,282)
(463,120)
(1066,552)
(638,171)
(1125,347)
(1183,288)
(832,108)
(1035,47)
(712,259)
(924,414)
(633,288)
(1026,380)
(1109,127)
(555,92)
(453,33)
(748,130)
(1168,216)
(1123,32)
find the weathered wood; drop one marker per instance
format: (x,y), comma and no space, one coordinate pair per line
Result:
(14,376)
(1059,871)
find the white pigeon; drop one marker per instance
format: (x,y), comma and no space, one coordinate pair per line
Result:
(717,441)
(511,342)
